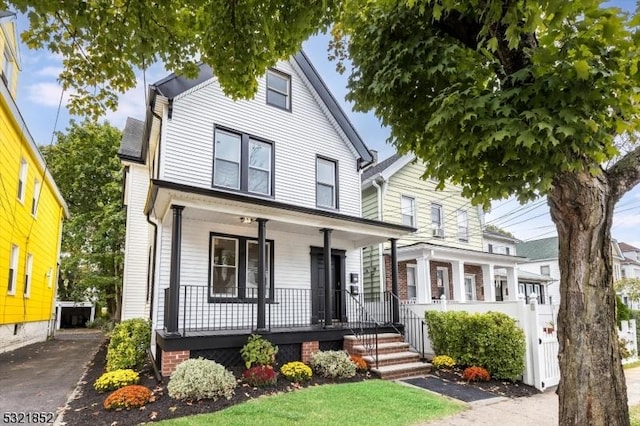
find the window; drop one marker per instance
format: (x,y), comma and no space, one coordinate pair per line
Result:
(463,225)
(36,196)
(278,89)
(470,287)
(13,269)
(7,68)
(545,270)
(411,282)
(490,248)
(326,183)
(50,277)
(436,220)
(243,163)
(27,275)
(22,180)
(507,250)
(408,206)
(234,267)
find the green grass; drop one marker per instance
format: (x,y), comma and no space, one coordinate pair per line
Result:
(631,365)
(372,402)
(634,414)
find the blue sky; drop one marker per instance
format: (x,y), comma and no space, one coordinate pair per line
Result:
(39,95)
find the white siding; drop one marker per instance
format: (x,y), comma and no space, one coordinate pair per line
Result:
(298,136)
(136,245)
(553,289)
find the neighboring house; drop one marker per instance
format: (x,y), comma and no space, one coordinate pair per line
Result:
(445,256)
(630,268)
(542,258)
(31,215)
(244,216)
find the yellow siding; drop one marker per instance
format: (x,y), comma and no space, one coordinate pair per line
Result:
(38,235)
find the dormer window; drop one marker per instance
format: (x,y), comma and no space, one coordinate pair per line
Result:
(279,89)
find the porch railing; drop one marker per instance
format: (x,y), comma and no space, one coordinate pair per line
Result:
(414,326)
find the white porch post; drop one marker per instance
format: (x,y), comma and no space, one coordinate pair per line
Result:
(488,279)
(512,283)
(457,269)
(423,280)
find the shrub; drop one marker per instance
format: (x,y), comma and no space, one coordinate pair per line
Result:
(443,362)
(116,379)
(333,364)
(296,371)
(360,363)
(259,351)
(491,340)
(199,379)
(128,397)
(128,345)
(260,376)
(476,374)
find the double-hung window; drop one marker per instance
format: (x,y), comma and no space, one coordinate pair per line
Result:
(234,267)
(437,220)
(28,272)
(463,226)
(22,180)
(7,68)
(408,206)
(13,269)
(36,196)
(326,183)
(243,163)
(278,89)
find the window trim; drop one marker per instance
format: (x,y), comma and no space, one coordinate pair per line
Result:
(242,259)
(474,296)
(414,219)
(245,140)
(35,199)
(441,222)
(336,183)
(464,237)
(548,269)
(414,268)
(23,173)
(14,263)
(289,88)
(28,275)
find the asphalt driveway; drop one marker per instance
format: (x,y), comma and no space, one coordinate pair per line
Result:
(42,376)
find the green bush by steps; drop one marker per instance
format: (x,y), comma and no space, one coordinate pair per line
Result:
(128,346)
(201,378)
(491,340)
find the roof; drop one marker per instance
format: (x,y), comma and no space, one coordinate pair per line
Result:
(173,85)
(545,248)
(628,247)
(381,166)
(526,275)
(131,145)
(499,236)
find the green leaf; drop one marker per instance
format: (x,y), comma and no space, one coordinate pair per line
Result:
(582,69)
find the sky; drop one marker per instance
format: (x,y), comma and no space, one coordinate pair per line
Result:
(39,95)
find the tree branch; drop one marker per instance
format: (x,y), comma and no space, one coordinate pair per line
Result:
(625,174)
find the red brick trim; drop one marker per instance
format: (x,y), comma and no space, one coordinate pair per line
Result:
(170,361)
(308,349)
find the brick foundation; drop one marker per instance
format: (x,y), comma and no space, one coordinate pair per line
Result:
(308,349)
(170,361)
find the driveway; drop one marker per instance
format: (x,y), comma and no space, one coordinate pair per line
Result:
(42,376)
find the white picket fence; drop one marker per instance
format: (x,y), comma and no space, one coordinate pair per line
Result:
(538,322)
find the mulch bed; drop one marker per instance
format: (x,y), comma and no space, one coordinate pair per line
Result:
(87,408)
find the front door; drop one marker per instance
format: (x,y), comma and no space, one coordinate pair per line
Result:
(318,284)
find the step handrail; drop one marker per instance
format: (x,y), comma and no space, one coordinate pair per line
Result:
(411,322)
(369,344)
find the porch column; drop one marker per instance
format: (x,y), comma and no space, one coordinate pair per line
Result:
(423,280)
(488,278)
(457,270)
(328,288)
(262,252)
(171,323)
(394,281)
(512,283)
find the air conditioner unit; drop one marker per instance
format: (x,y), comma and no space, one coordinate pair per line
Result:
(438,232)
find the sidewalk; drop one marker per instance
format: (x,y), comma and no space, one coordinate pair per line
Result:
(42,376)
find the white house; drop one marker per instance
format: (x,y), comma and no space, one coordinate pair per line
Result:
(244,216)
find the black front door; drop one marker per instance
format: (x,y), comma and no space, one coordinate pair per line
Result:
(318,284)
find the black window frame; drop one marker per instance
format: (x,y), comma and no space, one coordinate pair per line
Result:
(240,296)
(289,88)
(336,174)
(245,140)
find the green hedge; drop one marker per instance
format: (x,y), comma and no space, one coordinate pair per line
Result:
(128,346)
(491,340)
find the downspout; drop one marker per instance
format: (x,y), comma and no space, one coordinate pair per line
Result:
(379,193)
(151,269)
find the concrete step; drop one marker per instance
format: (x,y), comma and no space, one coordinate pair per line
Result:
(397,371)
(393,358)
(383,348)
(382,338)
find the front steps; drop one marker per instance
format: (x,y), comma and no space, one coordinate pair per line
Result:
(395,358)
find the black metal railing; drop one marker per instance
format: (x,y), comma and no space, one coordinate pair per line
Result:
(413,325)
(362,324)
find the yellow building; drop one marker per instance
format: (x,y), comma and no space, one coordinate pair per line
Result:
(31,214)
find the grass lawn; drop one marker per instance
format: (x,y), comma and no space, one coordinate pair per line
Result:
(631,365)
(634,414)
(372,402)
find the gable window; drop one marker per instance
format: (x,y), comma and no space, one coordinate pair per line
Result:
(278,89)
(22,180)
(463,226)
(408,206)
(13,269)
(436,220)
(545,270)
(242,162)
(234,267)
(27,275)
(36,196)
(326,183)
(7,68)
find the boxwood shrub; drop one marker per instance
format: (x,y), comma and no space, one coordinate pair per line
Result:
(491,340)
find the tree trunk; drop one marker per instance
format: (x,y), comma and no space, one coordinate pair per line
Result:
(592,388)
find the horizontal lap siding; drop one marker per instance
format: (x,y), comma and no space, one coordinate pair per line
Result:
(298,137)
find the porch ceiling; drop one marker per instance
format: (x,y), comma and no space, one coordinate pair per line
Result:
(227,208)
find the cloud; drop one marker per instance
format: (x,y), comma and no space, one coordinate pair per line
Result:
(46,94)
(50,71)
(626,220)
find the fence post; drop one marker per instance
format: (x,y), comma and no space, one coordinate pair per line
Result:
(443,299)
(528,320)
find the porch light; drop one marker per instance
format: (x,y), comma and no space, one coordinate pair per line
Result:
(246,220)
